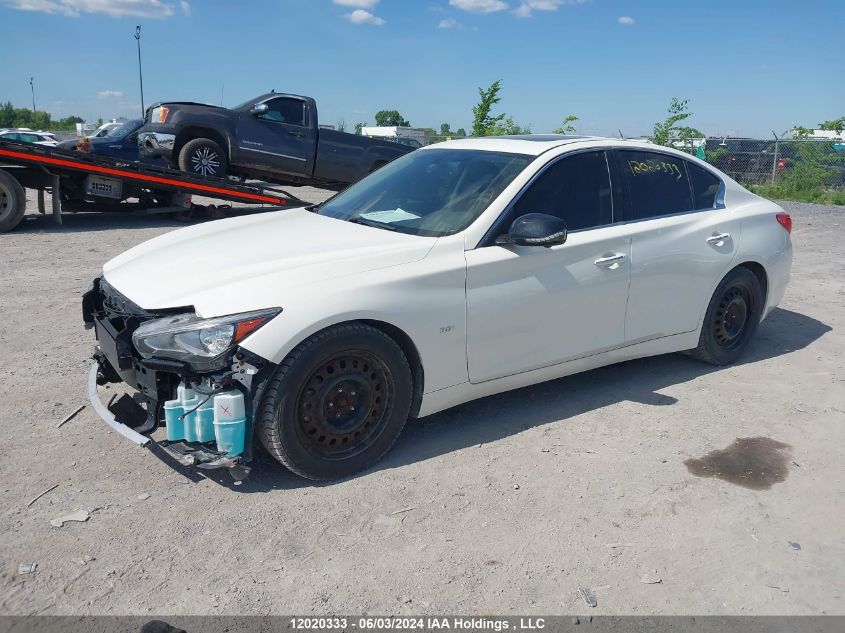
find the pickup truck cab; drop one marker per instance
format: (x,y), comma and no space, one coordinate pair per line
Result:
(273,137)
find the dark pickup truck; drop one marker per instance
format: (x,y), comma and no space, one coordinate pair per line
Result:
(274,137)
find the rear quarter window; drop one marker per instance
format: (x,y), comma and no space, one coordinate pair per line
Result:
(705,186)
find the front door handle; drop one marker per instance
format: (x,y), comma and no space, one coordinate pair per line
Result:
(719,239)
(611,261)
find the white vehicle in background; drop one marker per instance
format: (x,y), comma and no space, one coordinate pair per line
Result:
(460,270)
(409,136)
(105,128)
(25,135)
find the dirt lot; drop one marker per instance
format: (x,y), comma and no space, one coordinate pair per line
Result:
(506,505)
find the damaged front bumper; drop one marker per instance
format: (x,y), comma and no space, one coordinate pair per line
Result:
(193,406)
(120,418)
(107,416)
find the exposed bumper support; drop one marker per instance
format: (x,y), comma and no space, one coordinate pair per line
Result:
(107,415)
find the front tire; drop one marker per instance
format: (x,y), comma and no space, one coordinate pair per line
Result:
(732,318)
(203,157)
(337,403)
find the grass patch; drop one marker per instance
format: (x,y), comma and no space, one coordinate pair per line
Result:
(817,195)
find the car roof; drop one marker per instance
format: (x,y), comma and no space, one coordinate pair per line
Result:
(532,144)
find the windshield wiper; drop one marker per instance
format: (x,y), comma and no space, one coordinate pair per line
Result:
(373,223)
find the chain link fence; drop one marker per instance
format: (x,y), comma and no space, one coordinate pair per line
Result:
(759,162)
(812,170)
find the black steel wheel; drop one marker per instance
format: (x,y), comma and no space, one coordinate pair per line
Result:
(203,157)
(732,318)
(337,403)
(12,202)
(341,407)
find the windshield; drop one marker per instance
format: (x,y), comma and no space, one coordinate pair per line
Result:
(124,128)
(428,192)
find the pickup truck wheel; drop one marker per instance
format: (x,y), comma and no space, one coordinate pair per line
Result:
(732,318)
(337,403)
(203,157)
(12,202)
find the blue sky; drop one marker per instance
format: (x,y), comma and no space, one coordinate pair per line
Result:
(747,66)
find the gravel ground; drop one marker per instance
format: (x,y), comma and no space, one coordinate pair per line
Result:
(505,505)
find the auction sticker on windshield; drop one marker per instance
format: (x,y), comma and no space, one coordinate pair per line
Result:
(393,215)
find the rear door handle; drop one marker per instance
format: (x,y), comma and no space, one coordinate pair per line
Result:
(611,261)
(719,239)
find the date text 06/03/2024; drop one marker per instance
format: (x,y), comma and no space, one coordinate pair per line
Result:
(410,623)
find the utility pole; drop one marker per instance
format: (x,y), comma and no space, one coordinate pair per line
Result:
(140,72)
(32,87)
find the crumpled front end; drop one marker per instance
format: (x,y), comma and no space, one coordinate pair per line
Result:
(205,401)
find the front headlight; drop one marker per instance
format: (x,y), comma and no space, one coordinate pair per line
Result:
(189,338)
(159,114)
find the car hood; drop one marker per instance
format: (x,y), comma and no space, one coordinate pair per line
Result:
(249,263)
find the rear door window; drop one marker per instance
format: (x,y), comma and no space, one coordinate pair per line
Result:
(658,184)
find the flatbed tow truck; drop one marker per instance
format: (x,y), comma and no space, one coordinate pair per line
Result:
(80,182)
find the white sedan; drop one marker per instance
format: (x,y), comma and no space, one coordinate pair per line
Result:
(25,135)
(461,270)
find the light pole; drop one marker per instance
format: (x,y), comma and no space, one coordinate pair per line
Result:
(32,87)
(140,73)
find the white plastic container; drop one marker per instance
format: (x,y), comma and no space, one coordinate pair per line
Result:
(230,422)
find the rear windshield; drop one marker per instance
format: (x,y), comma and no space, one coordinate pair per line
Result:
(433,192)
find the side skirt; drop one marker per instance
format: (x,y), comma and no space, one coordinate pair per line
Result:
(436,401)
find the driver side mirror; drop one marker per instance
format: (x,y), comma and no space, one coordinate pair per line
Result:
(535,229)
(259,108)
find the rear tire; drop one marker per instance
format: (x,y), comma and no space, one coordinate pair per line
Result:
(12,202)
(203,157)
(732,318)
(337,403)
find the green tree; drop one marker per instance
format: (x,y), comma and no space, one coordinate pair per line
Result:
(445,130)
(460,132)
(837,125)
(508,127)
(358,127)
(567,126)
(11,116)
(340,126)
(484,123)
(390,118)
(799,131)
(667,130)
(68,123)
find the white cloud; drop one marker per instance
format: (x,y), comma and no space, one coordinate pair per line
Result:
(361,4)
(359,16)
(113,8)
(526,9)
(186,7)
(448,23)
(479,6)
(627,20)
(107,94)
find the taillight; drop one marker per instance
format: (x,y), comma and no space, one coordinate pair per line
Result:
(785,220)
